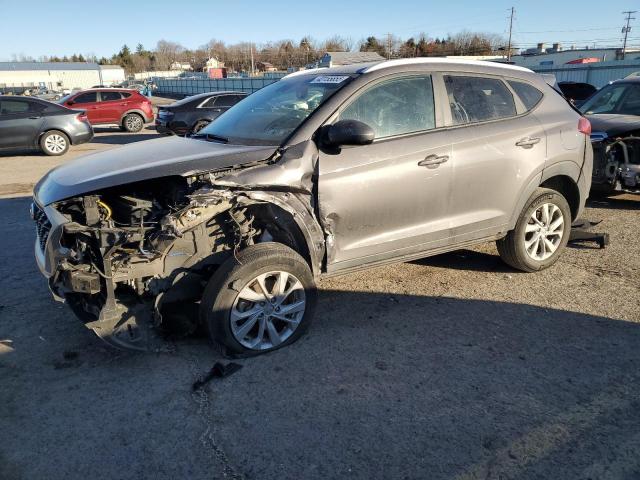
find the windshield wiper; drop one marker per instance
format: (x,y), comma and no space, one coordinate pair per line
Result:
(210,137)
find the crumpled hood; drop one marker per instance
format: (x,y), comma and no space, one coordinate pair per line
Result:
(143,161)
(614,124)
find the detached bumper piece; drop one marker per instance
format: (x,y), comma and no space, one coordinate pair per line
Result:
(123,322)
(580,233)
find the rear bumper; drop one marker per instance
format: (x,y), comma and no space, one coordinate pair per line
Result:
(81,133)
(164,126)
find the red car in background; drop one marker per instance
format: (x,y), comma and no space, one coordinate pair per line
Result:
(108,106)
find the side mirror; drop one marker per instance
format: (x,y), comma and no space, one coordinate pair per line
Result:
(70,102)
(349,132)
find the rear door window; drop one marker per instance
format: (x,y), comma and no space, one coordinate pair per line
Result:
(395,107)
(14,107)
(225,101)
(110,96)
(88,97)
(478,99)
(528,94)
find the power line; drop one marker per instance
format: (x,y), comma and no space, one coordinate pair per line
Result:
(627,29)
(574,30)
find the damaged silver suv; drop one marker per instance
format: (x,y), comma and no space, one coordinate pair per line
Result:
(322,173)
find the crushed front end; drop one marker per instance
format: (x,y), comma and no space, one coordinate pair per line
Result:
(616,162)
(122,257)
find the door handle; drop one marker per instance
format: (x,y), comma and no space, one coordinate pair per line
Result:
(433,160)
(527,142)
(34,118)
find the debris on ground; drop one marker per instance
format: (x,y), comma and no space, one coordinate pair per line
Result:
(580,233)
(219,370)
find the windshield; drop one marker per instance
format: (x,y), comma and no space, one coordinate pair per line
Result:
(64,99)
(271,114)
(620,98)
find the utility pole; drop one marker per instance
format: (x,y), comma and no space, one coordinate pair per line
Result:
(388,46)
(253,70)
(626,29)
(510,30)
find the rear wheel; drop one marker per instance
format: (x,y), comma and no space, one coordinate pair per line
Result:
(541,233)
(259,300)
(133,122)
(200,124)
(54,143)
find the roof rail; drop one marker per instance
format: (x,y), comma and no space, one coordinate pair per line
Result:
(430,60)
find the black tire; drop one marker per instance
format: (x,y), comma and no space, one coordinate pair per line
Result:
(512,248)
(199,125)
(223,291)
(54,143)
(133,122)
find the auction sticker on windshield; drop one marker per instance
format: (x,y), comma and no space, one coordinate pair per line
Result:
(330,79)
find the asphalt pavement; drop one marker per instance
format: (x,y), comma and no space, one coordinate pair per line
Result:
(453,367)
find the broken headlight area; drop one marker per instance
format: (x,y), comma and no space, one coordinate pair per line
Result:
(616,162)
(130,252)
(138,257)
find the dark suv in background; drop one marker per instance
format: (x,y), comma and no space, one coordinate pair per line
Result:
(192,114)
(110,106)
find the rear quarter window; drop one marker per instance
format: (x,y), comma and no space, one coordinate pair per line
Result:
(528,94)
(478,99)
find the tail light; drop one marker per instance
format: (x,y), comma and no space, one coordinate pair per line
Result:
(584,126)
(82,117)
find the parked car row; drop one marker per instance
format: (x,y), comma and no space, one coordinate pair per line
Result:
(31,122)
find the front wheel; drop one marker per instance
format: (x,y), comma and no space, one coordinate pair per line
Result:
(259,300)
(541,232)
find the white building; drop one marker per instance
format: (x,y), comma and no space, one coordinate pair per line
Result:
(213,63)
(180,66)
(557,56)
(111,74)
(58,75)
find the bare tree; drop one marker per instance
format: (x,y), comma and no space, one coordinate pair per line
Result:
(166,53)
(337,44)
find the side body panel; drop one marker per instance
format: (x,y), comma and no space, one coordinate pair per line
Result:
(490,171)
(109,111)
(19,130)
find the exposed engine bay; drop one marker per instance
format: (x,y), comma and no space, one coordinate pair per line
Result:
(136,252)
(616,162)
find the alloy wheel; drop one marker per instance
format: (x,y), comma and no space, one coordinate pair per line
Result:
(134,123)
(55,143)
(267,310)
(544,231)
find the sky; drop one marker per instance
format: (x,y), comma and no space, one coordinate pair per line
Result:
(65,27)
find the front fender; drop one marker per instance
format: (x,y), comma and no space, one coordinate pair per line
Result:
(304,218)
